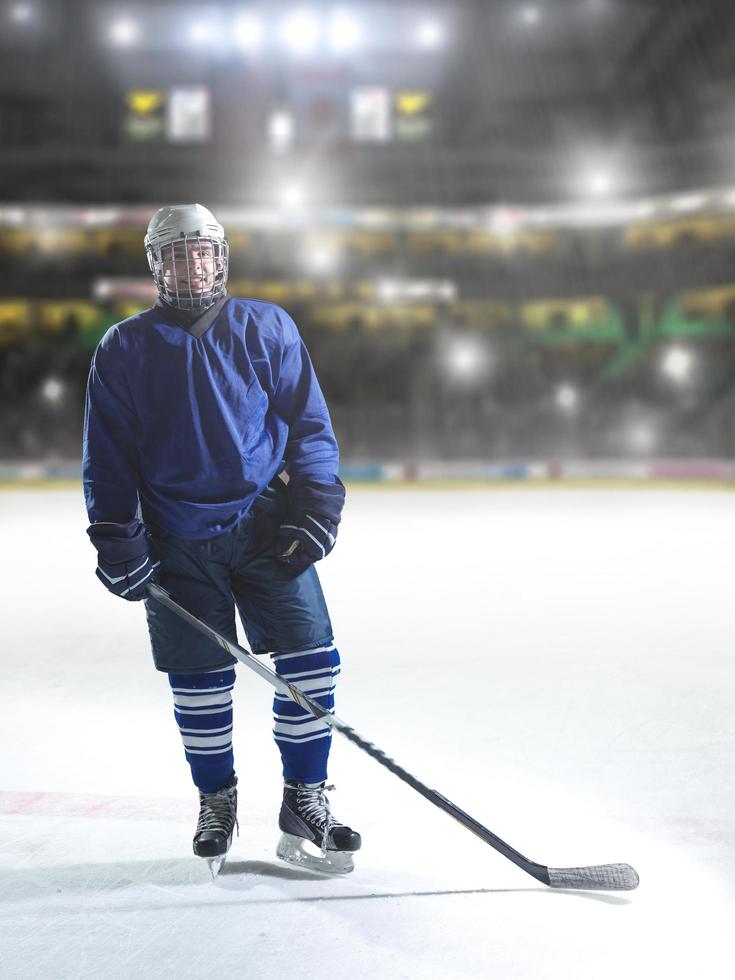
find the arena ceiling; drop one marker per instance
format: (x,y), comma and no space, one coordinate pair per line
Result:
(523,102)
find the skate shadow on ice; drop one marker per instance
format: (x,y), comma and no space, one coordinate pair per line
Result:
(94,878)
(240,874)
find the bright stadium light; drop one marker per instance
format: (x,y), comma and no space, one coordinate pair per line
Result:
(345,33)
(123,32)
(677,363)
(388,290)
(280,130)
(291,196)
(466,358)
(505,222)
(430,35)
(689,202)
(644,209)
(13,216)
(641,437)
(21,13)
(567,397)
(52,390)
(321,259)
(300,32)
(530,15)
(200,32)
(599,183)
(249,32)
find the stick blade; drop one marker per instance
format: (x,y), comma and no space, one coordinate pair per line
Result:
(604,877)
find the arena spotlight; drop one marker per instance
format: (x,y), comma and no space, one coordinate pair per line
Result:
(13,216)
(644,209)
(677,364)
(388,290)
(249,32)
(52,390)
(504,222)
(321,259)
(465,358)
(689,202)
(430,35)
(300,32)
(530,15)
(599,183)
(21,13)
(344,32)
(641,437)
(291,196)
(280,130)
(200,32)
(567,398)
(123,32)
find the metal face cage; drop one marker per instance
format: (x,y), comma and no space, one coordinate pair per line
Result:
(191,271)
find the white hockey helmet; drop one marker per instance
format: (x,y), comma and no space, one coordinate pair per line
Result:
(188,255)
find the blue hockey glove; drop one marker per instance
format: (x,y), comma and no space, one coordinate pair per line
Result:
(124,565)
(308,532)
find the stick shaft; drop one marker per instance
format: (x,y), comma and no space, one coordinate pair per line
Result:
(571,877)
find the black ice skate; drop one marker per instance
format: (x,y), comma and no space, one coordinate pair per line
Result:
(307,822)
(216,825)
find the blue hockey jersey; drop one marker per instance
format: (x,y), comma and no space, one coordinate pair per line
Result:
(195,426)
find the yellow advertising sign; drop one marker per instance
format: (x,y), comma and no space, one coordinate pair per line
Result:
(142,102)
(412,103)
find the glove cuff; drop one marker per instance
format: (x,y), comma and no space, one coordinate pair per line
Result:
(117,543)
(325,499)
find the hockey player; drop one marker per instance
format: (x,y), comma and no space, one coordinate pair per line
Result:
(210,466)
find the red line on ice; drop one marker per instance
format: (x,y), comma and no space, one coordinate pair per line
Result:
(37,804)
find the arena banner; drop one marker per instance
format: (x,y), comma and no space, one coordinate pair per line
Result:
(500,471)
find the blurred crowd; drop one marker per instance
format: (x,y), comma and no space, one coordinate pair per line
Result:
(580,345)
(438,391)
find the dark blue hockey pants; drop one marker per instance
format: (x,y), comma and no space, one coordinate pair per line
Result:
(286,617)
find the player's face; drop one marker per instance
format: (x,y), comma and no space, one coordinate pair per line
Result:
(189,267)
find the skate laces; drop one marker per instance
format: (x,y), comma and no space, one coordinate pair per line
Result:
(217,811)
(314,806)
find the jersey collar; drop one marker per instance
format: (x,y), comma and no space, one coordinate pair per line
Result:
(196,324)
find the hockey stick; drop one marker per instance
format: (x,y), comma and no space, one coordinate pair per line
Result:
(609,877)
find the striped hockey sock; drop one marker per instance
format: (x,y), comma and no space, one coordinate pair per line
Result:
(303,740)
(203,712)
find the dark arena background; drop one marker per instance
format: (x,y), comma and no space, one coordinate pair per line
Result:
(506,232)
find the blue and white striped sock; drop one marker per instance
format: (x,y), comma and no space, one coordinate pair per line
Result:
(203,712)
(303,740)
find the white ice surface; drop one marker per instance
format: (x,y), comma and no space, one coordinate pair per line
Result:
(559,664)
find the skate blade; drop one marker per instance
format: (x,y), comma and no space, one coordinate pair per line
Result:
(215,865)
(303,854)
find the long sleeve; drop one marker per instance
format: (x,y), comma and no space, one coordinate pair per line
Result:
(312,453)
(110,458)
